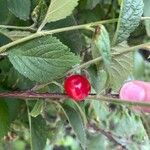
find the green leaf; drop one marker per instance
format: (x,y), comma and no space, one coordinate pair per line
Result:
(59,10)
(98,79)
(43,59)
(77,107)
(5,66)
(129,18)
(75,120)
(14,107)
(147,72)
(126,125)
(39,12)
(20,8)
(146,121)
(102,47)
(147,14)
(122,124)
(102,113)
(57,131)
(139,66)
(4,10)
(96,142)
(38,133)
(70,38)
(121,68)
(16,80)
(91,4)
(37,109)
(4,118)
(15,35)
(4,39)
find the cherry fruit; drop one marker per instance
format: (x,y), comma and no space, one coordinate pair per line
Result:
(77,87)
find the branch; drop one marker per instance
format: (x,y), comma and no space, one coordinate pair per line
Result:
(109,135)
(45,32)
(70,28)
(26,28)
(31,28)
(118,101)
(32,95)
(117,54)
(59,96)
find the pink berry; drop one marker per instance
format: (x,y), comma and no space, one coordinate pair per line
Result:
(136,91)
(132,92)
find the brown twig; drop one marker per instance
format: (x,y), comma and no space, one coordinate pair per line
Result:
(109,135)
(30,95)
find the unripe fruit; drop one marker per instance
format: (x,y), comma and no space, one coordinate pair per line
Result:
(77,87)
(136,91)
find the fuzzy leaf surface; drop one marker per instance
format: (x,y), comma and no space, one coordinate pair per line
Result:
(147,14)
(43,59)
(59,9)
(130,16)
(102,47)
(121,68)
(20,8)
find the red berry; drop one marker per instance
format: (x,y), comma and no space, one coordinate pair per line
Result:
(77,87)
